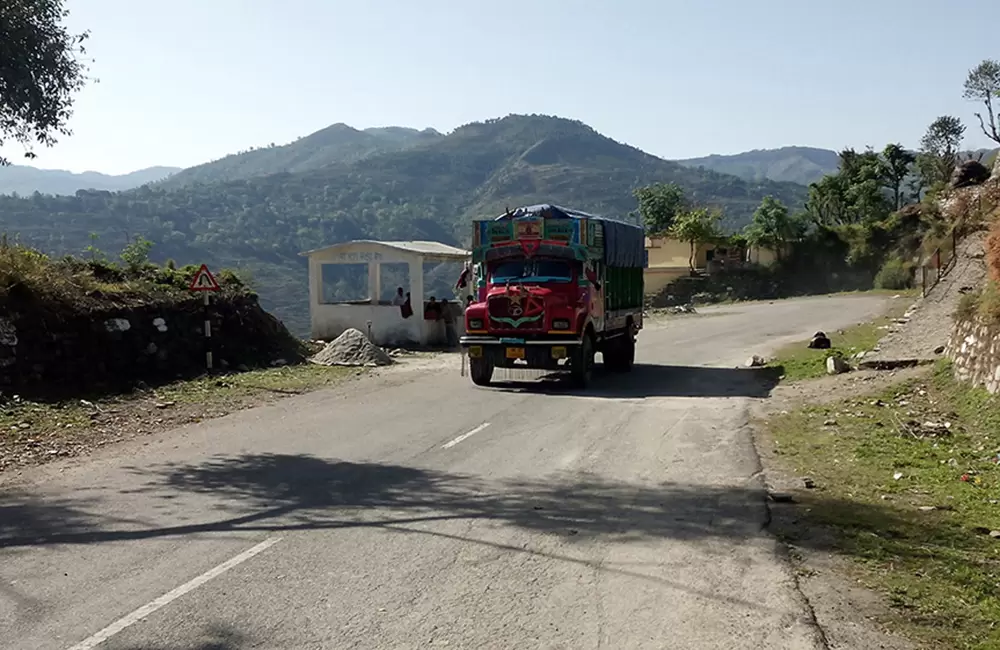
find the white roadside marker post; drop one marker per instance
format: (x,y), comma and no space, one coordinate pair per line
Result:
(205,282)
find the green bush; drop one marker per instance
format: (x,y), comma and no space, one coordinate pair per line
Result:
(895,274)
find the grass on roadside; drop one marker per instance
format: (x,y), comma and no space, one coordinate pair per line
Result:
(908,484)
(31,432)
(800,362)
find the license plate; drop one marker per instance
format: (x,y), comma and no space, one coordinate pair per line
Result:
(475,351)
(559,352)
(515,353)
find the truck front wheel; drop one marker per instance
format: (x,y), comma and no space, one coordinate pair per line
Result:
(583,362)
(481,371)
(619,353)
(627,352)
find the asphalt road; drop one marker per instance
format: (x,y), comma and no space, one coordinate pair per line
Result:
(414,510)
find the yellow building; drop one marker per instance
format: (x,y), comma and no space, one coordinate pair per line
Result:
(669,260)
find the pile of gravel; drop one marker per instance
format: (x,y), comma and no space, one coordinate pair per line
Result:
(352,348)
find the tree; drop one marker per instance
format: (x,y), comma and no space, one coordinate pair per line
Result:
(939,149)
(828,203)
(855,194)
(983,85)
(896,163)
(696,226)
(659,205)
(40,72)
(773,227)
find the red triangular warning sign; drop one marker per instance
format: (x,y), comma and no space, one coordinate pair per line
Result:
(204,280)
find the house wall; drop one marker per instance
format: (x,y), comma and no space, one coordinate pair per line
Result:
(389,328)
(654,279)
(672,253)
(762,256)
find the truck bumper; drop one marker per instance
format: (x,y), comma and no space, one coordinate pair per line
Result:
(502,352)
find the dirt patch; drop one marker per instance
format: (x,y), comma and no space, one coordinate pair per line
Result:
(33,433)
(928,327)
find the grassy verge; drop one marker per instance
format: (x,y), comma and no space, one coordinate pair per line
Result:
(800,362)
(908,484)
(33,432)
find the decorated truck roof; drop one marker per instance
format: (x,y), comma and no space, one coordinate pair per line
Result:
(552,230)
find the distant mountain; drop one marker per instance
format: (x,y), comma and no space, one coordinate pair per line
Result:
(425,186)
(802,165)
(25,180)
(334,144)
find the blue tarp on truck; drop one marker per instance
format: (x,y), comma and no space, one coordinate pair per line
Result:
(624,243)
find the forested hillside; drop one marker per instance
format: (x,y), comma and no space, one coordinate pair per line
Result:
(422,191)
(338,143)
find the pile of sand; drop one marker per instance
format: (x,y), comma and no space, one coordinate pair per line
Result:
(352,348)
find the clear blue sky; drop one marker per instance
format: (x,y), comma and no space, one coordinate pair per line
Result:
(186,81)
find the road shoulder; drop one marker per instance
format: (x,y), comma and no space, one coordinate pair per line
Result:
(850,615)
(885,487)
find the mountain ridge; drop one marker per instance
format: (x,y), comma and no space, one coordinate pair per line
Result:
(25,180)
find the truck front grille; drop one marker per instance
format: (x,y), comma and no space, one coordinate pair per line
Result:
(512,314)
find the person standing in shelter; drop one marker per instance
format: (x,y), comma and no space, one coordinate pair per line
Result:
(400,298)
(406,309)
(448,316)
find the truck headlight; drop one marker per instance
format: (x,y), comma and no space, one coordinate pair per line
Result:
(560,324)
(475,323)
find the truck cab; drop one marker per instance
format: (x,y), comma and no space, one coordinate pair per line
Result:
(542,302)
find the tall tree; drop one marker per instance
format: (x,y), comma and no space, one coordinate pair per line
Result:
(939,149)
(696,226)
(659,205)
(828,203)
(773,227)
(896,164)
(853,195)
(40,72)
(983,85)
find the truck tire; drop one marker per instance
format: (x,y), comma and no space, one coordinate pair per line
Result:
(627,351)
(620,353)
(613,355)
(481,372)
(583,363)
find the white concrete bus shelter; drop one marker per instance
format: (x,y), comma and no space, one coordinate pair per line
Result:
(331,318)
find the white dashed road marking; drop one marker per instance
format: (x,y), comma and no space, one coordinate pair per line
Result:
(454,441)
(167,598)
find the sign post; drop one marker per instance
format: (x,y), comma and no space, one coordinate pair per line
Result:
(204,282)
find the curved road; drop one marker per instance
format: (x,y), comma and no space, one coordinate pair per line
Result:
(413,510)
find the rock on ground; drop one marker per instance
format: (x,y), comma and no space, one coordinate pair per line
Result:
(836,366)
(352,348)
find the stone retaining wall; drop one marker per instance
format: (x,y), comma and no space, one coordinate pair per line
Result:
(47,352)
(974,349)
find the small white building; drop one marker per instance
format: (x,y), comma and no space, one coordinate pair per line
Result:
(368,262)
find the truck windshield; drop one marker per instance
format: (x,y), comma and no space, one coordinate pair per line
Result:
(532,271)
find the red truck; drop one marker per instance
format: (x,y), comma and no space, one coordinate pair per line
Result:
(554,287)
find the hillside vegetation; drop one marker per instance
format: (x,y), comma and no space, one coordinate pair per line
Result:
(71,325)
(335,144)
(423,191)
(804,165)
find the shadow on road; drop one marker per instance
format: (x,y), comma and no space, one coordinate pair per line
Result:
(648,380)
(276,492)
(213,637)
